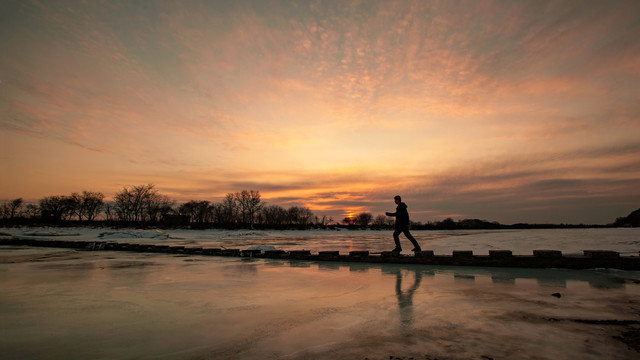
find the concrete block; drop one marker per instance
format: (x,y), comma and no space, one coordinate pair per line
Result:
(390,254)
(500,253)
(547,253)
(212,251)
(251,253)
(424,253)
(329,254)
(299,253)
(230,252)
(462,253)
(274,253)
(358,254)
(601,254)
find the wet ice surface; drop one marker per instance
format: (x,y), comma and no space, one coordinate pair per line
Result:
(521,242)
(65,304)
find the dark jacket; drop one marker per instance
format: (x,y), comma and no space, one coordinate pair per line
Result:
(402,216)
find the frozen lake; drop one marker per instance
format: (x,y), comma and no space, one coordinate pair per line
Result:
(521,242)
(62,304)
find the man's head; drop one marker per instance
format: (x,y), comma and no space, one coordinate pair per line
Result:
(397,199)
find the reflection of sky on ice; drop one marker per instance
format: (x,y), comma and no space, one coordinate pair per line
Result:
(72,304)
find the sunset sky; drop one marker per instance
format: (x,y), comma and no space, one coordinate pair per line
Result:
(509,111)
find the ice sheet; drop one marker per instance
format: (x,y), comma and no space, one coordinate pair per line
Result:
(62,304)
(521,242)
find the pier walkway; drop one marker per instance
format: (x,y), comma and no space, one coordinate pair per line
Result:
(496,258)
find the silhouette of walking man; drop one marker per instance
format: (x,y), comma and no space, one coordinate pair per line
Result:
(402,225)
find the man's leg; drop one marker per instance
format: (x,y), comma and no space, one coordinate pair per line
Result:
(416,246)
(396,238)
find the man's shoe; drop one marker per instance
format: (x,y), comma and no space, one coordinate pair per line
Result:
(396,250)
(416,249)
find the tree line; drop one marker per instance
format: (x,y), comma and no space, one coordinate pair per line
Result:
(144,205)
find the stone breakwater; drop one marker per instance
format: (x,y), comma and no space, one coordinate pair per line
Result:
(496,258)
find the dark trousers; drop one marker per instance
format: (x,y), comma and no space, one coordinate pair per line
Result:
(405,231)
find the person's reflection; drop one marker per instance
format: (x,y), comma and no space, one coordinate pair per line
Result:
(405,298)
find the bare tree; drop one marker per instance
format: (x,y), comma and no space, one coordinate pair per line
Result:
(241,200)
(5,210)
(228,210)
(274,215)
(138,203)
(124,205)
(188,209)
(69,206)
(14,207)
(300,216)
(293,215)
(91,205)
(204,213)
(379,222)
(250,203)
(363,219)
(255,205)
(108,211)
(305,216)
(86,205)
(156,206)
(31,211)
(75,205)
(323,221)
(216,213)
(60,204)
(199,211)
